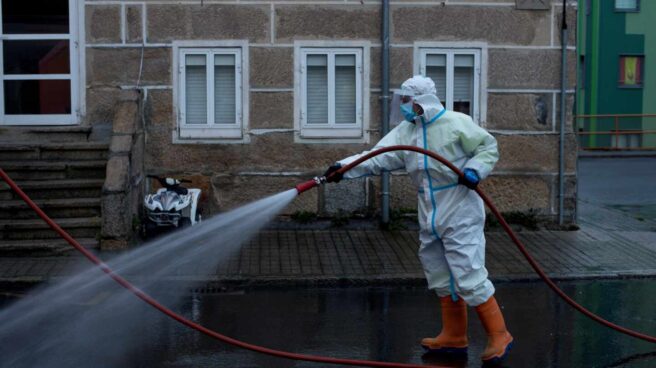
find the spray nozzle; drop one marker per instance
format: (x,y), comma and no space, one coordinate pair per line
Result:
(316,181)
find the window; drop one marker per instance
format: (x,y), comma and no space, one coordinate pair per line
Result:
(209,92)
(456,73)
(330,92)
(631,71)
(39,62)
(627,5)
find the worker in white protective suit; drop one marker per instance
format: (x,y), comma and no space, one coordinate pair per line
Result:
(451,216)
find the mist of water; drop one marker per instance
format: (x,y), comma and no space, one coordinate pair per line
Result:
(87,320)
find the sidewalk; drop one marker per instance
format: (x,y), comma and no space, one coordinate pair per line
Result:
(343,257)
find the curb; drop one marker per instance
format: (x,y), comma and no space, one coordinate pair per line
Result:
(211,285)
(616,154)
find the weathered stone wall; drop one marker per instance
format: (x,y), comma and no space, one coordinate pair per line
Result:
(123,189)
(129,46)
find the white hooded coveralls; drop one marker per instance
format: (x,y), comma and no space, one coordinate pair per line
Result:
(451,216)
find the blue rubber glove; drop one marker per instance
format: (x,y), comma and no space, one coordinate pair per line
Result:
(470,179)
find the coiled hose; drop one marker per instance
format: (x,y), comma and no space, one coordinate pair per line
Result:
(315,358)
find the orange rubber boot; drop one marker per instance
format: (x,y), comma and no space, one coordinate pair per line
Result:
(499,340)
(453,338)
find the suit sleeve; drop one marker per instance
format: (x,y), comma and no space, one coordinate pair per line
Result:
(388,161)
(480,146)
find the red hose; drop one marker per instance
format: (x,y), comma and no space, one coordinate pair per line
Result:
(313,358)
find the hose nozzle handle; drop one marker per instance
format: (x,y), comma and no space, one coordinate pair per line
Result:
(316,181)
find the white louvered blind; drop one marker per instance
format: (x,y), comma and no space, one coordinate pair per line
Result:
(224,89)
(626,4)
(463,77)
(196,89)
(345,86)
(317,89)
(436,70)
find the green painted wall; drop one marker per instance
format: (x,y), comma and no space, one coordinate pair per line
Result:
(605,35)
(643,23)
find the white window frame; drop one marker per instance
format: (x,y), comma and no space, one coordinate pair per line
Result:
(211,132)
(76,75)
(478,50)
(331,132)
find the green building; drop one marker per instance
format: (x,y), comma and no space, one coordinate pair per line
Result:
(616,99)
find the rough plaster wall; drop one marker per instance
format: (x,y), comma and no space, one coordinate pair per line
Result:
(522,91)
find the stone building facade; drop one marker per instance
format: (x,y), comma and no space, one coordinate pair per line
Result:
(510,57)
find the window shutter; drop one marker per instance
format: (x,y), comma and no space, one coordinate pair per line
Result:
(345,98)
(224,89)
(436,70)
(463,77)
(196,89)
(317,89)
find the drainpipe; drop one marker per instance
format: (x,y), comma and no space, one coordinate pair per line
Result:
(563,116)
(385,99)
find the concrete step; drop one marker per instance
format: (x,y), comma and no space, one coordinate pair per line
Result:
(46,134)
(54,189)
(54,151)
(31,229)
(56,208)
(44,247)
(51,170)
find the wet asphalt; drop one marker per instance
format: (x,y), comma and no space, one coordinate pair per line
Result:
(617,192)
(387,323)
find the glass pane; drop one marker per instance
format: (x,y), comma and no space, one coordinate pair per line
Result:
(463,83)
(317,60)
(435,60)
(462,106)
(626,4)
(631,71)
(345,60)
(34,16)
(224,89)
(224,59)
(37,97)
(36,57)
(345,94)
(317,89)
(464,60)
(196,89)
(463,89)
(438,75)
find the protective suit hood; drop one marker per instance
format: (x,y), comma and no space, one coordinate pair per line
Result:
(424,93)
(431,105)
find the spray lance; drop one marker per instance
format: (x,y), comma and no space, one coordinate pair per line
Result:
(319,180)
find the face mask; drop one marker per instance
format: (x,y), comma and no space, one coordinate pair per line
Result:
(408,112)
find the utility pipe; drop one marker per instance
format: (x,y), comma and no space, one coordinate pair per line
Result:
(563,117)
(385,177)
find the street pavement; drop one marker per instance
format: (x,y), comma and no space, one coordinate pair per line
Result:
(617,238)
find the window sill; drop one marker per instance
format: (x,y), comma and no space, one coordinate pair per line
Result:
(320,136)
(352,133)
(209,136)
